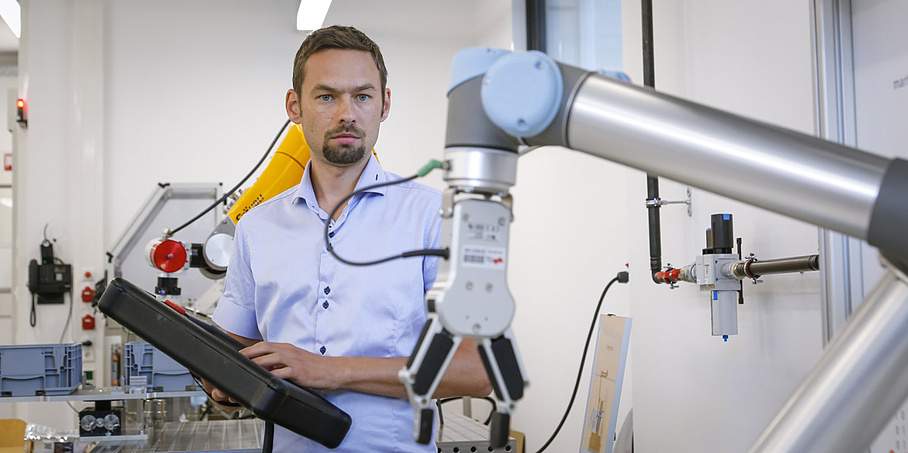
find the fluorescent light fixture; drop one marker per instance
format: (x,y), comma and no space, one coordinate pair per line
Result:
(9,10)
(311,14)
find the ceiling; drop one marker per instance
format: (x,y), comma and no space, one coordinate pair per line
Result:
(428,18)
(423,18)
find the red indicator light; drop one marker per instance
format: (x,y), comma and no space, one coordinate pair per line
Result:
(20,112)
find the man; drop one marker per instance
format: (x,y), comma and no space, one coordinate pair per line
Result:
(308,318)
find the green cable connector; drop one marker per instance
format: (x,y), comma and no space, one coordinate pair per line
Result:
(427,168)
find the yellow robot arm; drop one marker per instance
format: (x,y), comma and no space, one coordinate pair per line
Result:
(284,171)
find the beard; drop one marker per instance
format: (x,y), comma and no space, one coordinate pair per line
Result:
(338,153)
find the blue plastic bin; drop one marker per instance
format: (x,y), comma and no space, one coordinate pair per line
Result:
(162,373)
(40,369)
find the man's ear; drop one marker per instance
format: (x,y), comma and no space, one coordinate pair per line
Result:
(292,103)
(386,105)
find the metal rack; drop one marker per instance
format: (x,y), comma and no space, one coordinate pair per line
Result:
(103,394)
(213,436)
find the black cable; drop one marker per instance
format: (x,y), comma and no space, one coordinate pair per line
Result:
(622,277)
(237,186)
(33,317)
(486,398)
(268,442)
(441,415)
(425,252)
(69,318)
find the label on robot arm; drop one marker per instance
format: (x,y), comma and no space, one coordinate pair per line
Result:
(485,232)
(483,257)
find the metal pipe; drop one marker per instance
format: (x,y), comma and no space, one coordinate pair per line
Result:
(649,72)
(798,175)
(859,382)
(652,182)
(536,23)
(655,227)
(786,265)
(752,268)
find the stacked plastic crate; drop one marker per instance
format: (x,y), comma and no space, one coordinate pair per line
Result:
(40,369)
(161,373)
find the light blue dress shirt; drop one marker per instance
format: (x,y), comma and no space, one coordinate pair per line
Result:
(283,286)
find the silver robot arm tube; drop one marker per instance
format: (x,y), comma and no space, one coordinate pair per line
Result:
(836,186)
(859,381)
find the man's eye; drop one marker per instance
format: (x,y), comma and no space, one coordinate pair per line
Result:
(362,97)
(325,97)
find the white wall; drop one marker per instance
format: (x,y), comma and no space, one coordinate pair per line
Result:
(195,93)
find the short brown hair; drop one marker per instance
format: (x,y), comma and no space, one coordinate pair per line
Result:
(337,37)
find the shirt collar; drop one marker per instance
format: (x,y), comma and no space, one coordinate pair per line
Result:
(372,174)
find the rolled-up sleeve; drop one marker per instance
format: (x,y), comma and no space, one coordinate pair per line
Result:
(235,312)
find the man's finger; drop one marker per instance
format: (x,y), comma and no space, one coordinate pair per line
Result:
(269,361)
(257,350)
(283,373)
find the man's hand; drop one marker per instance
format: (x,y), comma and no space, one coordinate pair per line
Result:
(220,397)
(297,365)
(375,375)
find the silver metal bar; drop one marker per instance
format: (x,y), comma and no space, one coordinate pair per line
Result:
(842,285)
(859,382)
(842,269)
(794,174)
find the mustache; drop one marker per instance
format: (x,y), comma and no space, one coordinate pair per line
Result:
(345,129)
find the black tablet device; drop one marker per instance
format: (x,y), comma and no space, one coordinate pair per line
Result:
(212,356)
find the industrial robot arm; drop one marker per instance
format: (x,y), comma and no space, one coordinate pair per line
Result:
(212,257)
(283,172)
(500,100)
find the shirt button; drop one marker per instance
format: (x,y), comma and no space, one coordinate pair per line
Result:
(327,289)
(331,234)
(325,304)
(322,350)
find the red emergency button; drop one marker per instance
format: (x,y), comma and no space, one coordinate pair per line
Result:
(88,294)
(88,322)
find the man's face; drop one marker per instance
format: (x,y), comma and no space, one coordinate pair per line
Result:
(340,105)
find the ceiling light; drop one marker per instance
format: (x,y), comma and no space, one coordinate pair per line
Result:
(9,10)
(311,14)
